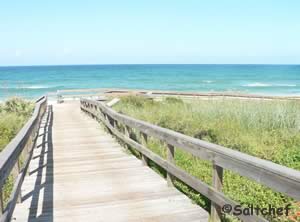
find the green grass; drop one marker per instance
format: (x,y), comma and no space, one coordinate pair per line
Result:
(13,115)
(265,129)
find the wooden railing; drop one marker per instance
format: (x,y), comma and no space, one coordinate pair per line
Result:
(277,177)
(73,94)
(15,158)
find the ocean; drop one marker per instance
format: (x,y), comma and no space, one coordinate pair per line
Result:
(34,81)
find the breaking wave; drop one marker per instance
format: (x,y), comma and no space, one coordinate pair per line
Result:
(259,84)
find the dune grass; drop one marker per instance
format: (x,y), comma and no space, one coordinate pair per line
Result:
(266,129)
(13,115)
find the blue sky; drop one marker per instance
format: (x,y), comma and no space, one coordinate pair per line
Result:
(158,31)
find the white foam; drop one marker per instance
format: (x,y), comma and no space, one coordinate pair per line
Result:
(37,87)
(286,85)
(260,84)
(27,87)
(257,84)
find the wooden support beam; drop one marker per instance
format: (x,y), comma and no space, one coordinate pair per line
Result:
(216,212)
(127,134)
(16,172)
(170,159)
(1,202)
(144,140)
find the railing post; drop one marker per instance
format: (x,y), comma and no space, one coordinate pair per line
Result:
(114,123)
(28,144)
(15,173)
(1,202)
(170,159)
(144,140)
(105,117)
(111,121)
(216,212)
(95,112)
(127,131)
(18,170)
(30,140)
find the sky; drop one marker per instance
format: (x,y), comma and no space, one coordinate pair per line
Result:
(35,32)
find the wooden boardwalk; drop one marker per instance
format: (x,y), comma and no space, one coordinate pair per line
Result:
(78,172)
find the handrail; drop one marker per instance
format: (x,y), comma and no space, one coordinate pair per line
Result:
(275,176)
(78,93)
(10,157)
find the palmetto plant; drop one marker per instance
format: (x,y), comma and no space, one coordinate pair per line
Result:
(13,114)
(18,106)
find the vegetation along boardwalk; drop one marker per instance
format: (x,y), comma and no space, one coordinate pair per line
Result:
(65,167)
(78,172)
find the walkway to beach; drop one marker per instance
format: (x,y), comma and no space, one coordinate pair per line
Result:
(78,172)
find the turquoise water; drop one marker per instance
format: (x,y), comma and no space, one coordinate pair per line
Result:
(33,81)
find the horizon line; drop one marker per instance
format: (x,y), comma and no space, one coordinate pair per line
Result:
(111,64)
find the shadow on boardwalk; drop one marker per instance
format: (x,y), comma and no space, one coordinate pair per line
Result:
(95,179)
(41,206)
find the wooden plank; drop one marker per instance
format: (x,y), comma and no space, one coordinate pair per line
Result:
(113,102)
(277,177)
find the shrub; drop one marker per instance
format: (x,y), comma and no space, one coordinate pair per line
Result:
(13,114)
(266,129)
